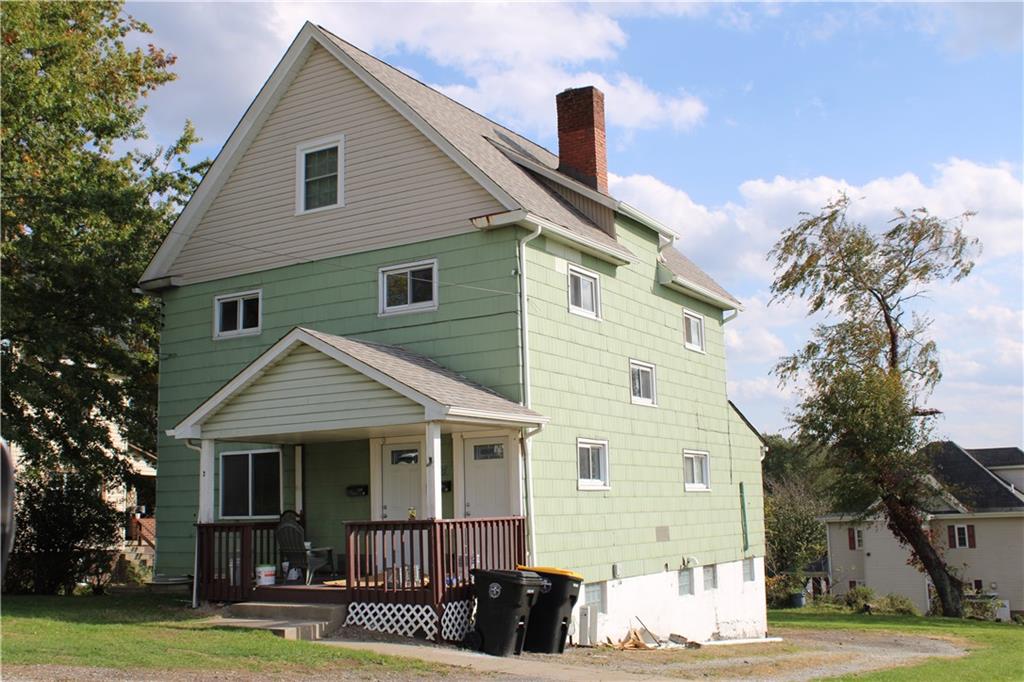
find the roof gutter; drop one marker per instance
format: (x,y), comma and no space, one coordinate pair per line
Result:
(553,231)
(673,281)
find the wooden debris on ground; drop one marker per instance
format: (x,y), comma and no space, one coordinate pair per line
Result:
(683,641)
(633,640)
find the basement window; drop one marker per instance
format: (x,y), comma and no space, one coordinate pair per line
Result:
(237,314)
(749,571)
(408,288)
(710,578)
(319,167)
(250,484)
(685,582)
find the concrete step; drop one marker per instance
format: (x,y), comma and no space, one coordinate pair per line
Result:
(309,631)
(291,621)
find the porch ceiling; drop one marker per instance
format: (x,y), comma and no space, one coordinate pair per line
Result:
(311,386)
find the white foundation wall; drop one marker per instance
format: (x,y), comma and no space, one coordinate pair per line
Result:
(733,610)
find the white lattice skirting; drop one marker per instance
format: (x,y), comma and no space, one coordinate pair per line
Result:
(457,619)
(395,619)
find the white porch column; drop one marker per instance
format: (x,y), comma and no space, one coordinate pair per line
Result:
(430,472)
(206,464)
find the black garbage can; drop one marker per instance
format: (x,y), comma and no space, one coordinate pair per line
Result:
(549,618)
(503,602)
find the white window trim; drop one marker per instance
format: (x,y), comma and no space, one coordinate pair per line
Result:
(703,331)
(858,538)
(583,312)
(697,487)
(304,148)
(636,400)
(383,310)
(255,331)
(956,536)
(593,483)
(220,483)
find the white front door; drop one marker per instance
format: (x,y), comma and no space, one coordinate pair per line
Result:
(400,480)
(486,476)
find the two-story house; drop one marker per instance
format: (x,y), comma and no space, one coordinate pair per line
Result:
(976,518)
(380,304)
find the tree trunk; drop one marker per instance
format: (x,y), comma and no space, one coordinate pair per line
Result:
(905,522)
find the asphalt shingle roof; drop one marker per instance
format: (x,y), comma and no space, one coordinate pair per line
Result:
(998,457)
(425,376)
(969,481)
(480,140)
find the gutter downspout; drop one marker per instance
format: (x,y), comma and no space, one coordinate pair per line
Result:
(524,348)
(195,551)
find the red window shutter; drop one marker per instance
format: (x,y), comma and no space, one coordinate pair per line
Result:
(952,536)
(851,536)
(970,537)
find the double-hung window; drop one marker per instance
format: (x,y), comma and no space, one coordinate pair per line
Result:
(409,287)
(962,536)
(693,330)
(320,170)
(250,484)
(642,388)
(696,472)
(584,292)
(593,464)
(237,314)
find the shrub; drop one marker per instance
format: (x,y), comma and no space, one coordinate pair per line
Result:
(777,590)
(64,533)
(859,597)
(898,604)
(980,608)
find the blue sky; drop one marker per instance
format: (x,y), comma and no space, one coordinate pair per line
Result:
(725,121)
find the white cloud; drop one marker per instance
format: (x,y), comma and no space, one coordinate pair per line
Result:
(968,28)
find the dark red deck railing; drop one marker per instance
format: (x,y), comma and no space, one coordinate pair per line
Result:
(410,562)
(142,531)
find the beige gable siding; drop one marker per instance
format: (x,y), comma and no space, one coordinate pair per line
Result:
(601,215)
(308,390)
(399,187)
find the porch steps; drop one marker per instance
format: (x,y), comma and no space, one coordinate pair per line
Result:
(308,622)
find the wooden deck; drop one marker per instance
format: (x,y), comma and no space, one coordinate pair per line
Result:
(389,562)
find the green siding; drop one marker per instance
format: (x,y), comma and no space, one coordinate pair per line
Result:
(474,331)
(580,380)
(328,469)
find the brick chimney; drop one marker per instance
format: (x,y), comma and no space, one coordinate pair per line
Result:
(581,144)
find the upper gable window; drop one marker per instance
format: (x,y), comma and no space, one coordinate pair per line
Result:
(237,314)
(409,287)
(693,330)
(584,292)
(319,182)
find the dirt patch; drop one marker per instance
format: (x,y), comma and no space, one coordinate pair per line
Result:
(803,655)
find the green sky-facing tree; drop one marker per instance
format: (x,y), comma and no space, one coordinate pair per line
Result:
(80,219)
(867,371)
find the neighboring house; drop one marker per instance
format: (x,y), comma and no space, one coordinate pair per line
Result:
(977,520)
(135,498)
(379,303)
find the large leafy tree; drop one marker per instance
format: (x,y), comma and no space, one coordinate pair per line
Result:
(81,217)
(869,369)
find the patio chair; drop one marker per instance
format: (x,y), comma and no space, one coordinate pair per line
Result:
(291,542)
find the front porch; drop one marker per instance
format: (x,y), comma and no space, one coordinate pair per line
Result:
(411,474)
(398,576)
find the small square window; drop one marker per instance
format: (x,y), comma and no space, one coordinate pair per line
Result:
(319,174)
(696,473)
(593,464)
(584,292)
(693,330)
(405,456)
(237,314)
(641,383)
(710,578)
(408,288)
(749,571)
(685,582)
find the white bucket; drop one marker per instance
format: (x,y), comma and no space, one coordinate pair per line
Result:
(265,575)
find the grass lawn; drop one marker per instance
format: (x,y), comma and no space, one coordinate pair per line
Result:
(130,631)
(996,649)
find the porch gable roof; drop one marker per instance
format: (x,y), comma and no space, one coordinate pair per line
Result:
(443,394)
